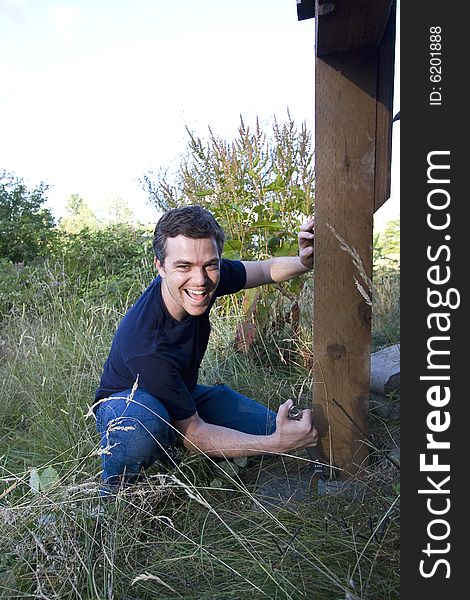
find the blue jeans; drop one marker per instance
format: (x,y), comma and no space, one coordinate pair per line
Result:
(137,433)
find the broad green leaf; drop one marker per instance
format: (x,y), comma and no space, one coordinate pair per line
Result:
(48,477)
(298,192)
(233,245)
(272,187)
(34,481)
(249,296)
(202,193)
(241,461)
(232,249)
(286,250)
(277,185)
(265,224)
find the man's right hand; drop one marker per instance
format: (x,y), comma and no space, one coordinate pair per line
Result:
(294,434)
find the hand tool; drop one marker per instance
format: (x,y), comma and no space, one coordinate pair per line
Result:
(321,469)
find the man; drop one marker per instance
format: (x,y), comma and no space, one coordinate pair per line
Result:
(149,394)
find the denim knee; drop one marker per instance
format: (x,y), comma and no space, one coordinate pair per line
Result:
(134,434)
(221,405)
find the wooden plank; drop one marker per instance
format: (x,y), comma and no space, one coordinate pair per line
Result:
(347,25)
(305,9)
(345,148)
(385,81)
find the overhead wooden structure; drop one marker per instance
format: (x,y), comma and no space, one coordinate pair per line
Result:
(354,66)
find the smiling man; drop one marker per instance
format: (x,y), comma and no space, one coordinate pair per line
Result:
(149,395)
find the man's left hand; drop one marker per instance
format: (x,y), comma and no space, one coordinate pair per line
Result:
(306,237)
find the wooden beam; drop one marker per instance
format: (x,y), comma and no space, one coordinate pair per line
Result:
(348,25)
(385,80)
(305,9)
(345,155)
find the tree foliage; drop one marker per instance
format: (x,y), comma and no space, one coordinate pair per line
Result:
(79,216)
(117,210)
(107,262)
(391,238)
(27,229)
(387,247)
(110,267)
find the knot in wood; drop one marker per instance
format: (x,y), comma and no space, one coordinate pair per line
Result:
(325,7)
(336,351)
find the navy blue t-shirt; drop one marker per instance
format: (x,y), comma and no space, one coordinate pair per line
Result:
(163,352)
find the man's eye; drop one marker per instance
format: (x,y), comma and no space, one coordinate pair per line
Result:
(182,267)
(214,267)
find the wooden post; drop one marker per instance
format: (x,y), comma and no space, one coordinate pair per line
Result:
(353,91)
(345,125)
(385,76)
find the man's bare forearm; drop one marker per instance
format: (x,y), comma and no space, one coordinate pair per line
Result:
(214,440)
(273,270)
(283,268)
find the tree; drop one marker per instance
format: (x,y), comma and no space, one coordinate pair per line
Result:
(118,210)
(80,216)
(387,247)
(27,229)
(391,239)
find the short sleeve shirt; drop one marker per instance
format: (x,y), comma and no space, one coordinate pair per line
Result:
(165,354)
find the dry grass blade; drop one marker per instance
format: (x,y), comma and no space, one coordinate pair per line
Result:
(357,262)
(150,577)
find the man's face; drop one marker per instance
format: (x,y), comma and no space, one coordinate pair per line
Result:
(190,275)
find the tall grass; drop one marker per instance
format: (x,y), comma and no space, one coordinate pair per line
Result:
(175,534)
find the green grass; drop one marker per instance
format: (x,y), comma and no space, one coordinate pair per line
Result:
(174,535)
(385,308)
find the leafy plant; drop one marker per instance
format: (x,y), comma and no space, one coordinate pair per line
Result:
(108,262)
(386,247)
(27,229)
(79,216)
(42,480)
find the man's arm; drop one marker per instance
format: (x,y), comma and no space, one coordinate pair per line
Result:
(214,440)
(283,268)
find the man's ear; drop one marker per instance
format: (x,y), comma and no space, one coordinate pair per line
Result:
(159,266)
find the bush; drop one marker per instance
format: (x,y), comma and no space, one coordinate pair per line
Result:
(108,264)
(27,230)
(23,286)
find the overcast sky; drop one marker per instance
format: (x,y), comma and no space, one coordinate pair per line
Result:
(95,92)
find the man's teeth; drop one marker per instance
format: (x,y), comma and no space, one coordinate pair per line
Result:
(197,292)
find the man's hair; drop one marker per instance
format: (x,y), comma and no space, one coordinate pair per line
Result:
(191,221)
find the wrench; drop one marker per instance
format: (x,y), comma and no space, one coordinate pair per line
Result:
(321,469)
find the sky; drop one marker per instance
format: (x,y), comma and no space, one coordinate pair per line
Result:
(96,92)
